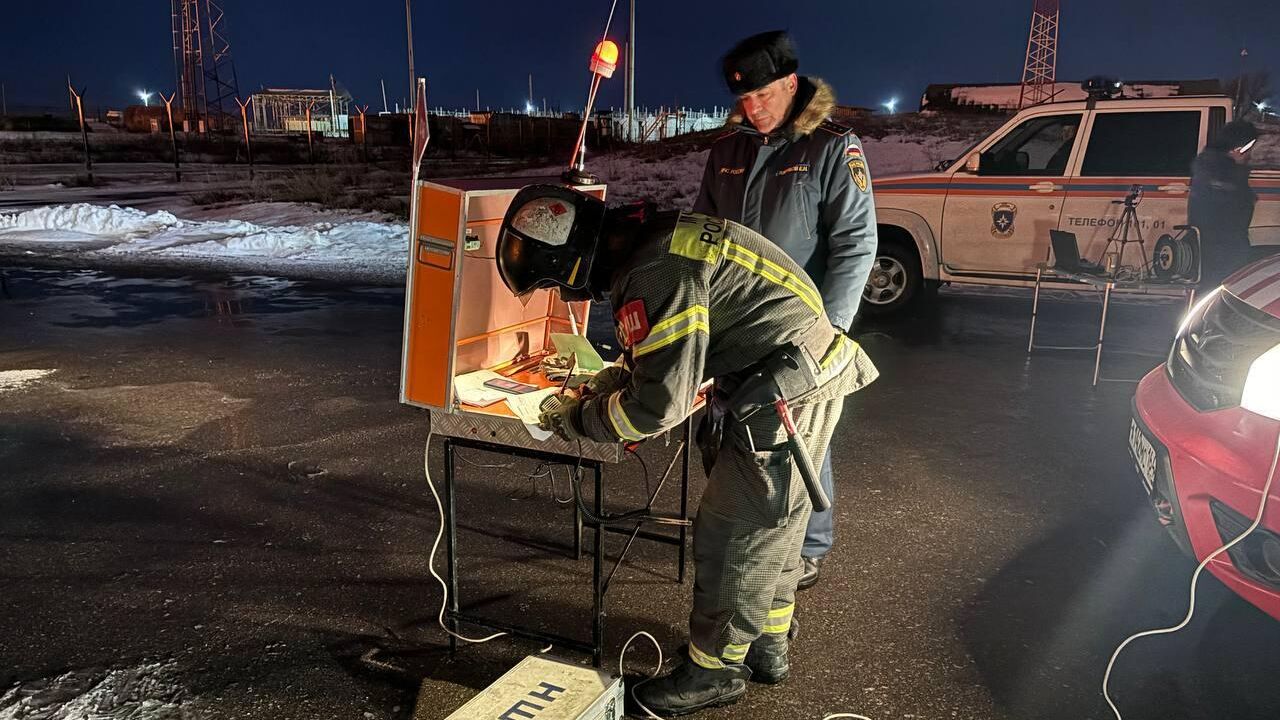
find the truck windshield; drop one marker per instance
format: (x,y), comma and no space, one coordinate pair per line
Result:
(1039,146)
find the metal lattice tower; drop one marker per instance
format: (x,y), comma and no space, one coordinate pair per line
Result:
(204,75)
(1042,55)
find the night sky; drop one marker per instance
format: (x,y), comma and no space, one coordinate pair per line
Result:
(869,52)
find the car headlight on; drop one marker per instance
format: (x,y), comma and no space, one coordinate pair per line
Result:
(1262,386)
(1196,309)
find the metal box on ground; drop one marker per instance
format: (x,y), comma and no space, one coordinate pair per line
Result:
(542,688)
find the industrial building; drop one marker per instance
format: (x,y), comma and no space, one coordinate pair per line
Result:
(285,110)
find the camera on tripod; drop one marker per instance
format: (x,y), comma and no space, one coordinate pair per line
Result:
(1132,199)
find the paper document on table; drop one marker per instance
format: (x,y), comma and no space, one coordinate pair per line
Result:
(526,406)
(471,389)
(589,361)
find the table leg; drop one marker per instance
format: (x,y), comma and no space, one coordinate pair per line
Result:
(684,499)
(1102,331)
(597,575)
(1035,307)
(577,525)
(451,542)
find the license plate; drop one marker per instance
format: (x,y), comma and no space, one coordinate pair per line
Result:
(1144,455)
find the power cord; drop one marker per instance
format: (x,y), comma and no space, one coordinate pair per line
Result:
(1195,578)
(431,559)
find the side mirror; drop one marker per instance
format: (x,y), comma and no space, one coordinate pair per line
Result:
(973,163)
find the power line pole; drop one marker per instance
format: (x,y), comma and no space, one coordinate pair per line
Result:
(408,24)
(631,69)
(1040,69)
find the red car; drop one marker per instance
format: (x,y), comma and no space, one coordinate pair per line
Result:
(1205,429)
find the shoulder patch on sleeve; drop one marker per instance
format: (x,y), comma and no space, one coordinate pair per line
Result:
(631,324)
(858,171)
(835,128)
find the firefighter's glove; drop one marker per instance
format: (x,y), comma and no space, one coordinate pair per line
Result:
(608,380)
(560,414)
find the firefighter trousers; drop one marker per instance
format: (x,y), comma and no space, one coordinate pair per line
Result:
(749,531)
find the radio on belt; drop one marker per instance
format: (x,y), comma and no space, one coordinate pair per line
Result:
(542,688)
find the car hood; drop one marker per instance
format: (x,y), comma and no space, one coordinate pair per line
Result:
(1258,284)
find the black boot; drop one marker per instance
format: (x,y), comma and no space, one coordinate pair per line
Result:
(767,658)
(812,570)
(691,687)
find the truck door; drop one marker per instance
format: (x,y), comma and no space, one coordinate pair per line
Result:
(999,222)
(1152,149)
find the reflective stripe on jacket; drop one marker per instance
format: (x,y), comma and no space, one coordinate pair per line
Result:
(700,298)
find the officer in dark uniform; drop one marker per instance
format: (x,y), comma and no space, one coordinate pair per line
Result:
(1221,202)
(788,172)
(699,298)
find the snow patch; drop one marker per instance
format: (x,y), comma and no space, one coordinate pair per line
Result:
(147,692)
(18,379)
(89,220)
(119,231)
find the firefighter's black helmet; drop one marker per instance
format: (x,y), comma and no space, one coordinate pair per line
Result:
(548,239)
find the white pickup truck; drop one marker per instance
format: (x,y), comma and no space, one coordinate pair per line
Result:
(985,217)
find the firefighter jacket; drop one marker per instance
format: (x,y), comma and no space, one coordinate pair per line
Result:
(807,188)
(700,298)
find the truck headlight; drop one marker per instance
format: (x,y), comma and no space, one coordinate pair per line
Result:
(1262,386)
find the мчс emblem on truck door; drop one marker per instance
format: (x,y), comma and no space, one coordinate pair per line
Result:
(1002,217)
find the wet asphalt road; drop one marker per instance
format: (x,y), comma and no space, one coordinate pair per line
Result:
(218,478)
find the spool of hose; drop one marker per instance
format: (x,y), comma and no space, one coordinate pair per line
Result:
(1173,258)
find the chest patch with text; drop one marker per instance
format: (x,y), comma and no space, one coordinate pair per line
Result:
(797,168)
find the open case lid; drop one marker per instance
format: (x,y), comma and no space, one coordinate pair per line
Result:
(459,315)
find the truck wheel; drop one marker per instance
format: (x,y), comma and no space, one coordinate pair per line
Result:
(896,281)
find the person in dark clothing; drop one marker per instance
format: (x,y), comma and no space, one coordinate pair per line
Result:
(698,298)
(1221,203)
(785,170)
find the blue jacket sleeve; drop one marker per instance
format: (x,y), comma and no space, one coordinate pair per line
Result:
(849,216)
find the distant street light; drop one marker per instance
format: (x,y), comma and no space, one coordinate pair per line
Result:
(1262,106)
(528,108)
(145,97)
(890,105)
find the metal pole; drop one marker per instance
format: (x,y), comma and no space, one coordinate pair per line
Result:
(311,153)
(1102,331)
(384,96)
(84,131)
(244,120)
(173,138)
(408,24)
(631,67)
(1035,307)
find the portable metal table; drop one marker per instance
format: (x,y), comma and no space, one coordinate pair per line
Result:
(507,435)
(1107,284)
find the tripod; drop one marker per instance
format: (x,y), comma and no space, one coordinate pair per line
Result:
(1120,236)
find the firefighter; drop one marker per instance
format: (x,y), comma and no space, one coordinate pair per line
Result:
(787,171)
(699,298)
(1221,202)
